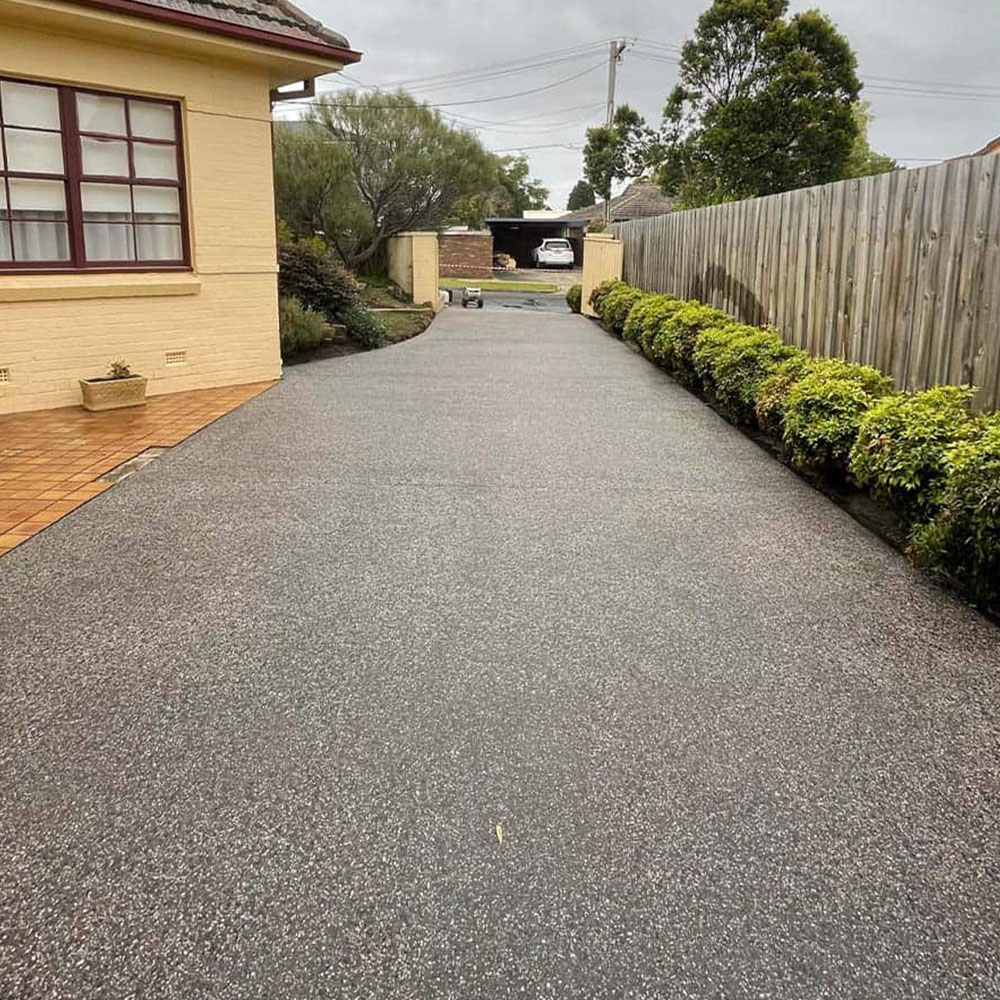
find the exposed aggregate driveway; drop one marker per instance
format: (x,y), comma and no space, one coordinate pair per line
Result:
(264,705)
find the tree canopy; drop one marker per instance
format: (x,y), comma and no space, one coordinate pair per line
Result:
(864,161)
(616,151)
(511,191)
(582,196)
(364,167)
(764,104)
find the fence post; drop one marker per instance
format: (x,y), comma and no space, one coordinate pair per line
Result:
(602,259)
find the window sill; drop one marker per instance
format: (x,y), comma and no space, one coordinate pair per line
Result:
(121,285)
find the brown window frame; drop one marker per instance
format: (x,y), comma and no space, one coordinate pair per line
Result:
(73,177)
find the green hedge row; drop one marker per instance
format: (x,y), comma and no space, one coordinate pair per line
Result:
(926,453)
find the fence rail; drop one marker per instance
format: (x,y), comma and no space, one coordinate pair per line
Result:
(900,270)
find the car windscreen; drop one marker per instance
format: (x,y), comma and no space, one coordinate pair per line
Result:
(557,245)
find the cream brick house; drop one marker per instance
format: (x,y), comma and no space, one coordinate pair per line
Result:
(136,198)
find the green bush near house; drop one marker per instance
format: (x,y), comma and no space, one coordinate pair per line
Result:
(963,540)
(902,443)
(364,326)
(574,298)
(300,329)
(739,367)
(824,411)
(309,272)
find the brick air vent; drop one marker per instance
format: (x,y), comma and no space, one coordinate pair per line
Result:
(4,376)
(177,357)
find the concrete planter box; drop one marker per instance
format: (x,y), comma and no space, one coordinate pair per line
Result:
(113,393)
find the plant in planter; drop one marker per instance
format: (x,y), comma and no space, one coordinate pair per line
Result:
(117,389)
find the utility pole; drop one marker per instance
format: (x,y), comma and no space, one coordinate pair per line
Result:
(615,49)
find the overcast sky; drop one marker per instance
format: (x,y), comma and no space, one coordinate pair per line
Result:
(944,49)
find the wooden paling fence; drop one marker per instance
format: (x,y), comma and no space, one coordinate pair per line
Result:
(900,271)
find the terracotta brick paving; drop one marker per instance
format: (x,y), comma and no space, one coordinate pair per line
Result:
(50,459)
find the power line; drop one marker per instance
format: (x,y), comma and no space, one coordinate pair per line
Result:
(935,83)
(512,65)
(540,114)
(547,145)
(455,104)
(932,94)
(474,78)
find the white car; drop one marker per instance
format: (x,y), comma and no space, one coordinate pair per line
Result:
(553,253)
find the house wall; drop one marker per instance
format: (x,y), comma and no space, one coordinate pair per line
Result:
(466,254)
(58,328)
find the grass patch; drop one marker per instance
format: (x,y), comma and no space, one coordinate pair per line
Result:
(376,297)
(401,324)
(494,285)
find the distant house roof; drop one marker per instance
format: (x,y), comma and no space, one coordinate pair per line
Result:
(640,200)
(993,146)
(267,22)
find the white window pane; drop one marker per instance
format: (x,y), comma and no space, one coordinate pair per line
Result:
(5,251)
(3,196)
(151,121)
(38,199)
(27,104)
(103,241)
(155,161)
(41,241)
(156,204)
(98,113)
(158,242)
(105,157)
(34,152)
(106,202)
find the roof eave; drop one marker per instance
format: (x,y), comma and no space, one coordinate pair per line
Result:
(135,8)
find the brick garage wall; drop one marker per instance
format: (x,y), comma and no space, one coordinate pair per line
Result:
(466,255)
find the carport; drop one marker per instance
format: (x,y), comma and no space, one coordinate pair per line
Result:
(518,237)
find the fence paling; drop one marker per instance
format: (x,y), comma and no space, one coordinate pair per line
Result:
(899,270)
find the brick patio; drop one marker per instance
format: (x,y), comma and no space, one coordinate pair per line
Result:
(51,461)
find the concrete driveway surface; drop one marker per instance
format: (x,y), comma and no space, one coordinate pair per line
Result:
(264,706)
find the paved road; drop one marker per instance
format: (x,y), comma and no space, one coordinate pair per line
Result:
(264,705)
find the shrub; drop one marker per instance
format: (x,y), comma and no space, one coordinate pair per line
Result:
(364,326)
(825,408)
(963,541)
(574,298)
(710,344)
(617,305)
(309,272)
(601,292)
(300,329)
(740,365)
(657,314)
(902,443)
(774,389)
(637,316)
(675,343)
